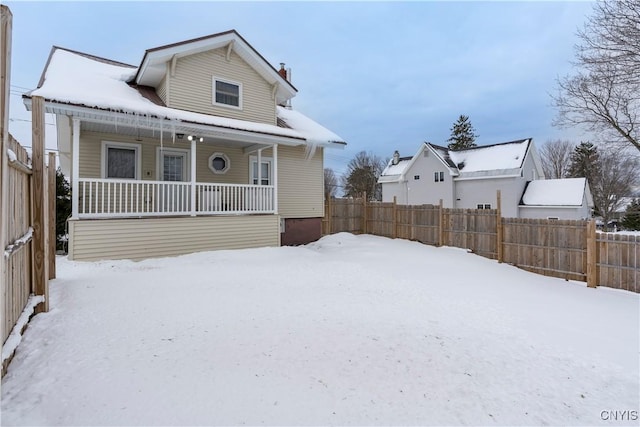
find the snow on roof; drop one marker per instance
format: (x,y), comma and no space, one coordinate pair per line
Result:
(508,155)
(555,192)
(392,173)
(315,133)
(74,78)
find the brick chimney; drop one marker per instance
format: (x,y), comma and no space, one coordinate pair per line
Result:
(282,71)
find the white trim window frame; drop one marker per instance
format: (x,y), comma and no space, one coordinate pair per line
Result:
(115,145)
(186,162)
(226,92)
(253,160)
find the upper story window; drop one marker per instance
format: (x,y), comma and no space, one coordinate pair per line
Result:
(120,160)
(227,93)
(438,176)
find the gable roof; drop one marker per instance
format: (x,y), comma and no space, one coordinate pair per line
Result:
(153,66)
(495,159)
(74,80)
(557,192)
(503,159)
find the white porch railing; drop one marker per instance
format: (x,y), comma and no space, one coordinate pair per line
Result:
(109,198)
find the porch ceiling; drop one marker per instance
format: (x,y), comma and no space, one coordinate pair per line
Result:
(167,135)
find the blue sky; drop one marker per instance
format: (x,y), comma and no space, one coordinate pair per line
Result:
(383,75)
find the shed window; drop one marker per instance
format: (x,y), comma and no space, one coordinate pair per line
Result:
(484,206)
(227,93)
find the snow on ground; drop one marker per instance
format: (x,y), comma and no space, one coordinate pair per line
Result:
(350,330)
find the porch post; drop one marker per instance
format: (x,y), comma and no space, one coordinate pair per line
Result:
(275,178)
(193,176)
(75,166)
(259,168)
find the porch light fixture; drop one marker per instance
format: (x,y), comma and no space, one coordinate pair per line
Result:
(195,138)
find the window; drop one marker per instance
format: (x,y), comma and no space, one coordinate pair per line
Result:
(438,176)
(227,93)
(219,163)
(484,206)
(120,160)
(416,177)
(265,171)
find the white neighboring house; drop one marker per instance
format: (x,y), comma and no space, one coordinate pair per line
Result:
(568,198)
(470,179)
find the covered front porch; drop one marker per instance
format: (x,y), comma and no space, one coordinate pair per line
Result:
(135,170)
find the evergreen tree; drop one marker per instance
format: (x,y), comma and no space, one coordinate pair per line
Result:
(584,162)
(631,220)
(63,208)
(462,134)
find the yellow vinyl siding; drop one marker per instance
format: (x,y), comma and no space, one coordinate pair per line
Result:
(191,88)
(91,161)
(300,183)
(161,90)
(138,239)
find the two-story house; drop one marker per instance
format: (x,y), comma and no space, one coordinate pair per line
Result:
(471,178)
(196,148)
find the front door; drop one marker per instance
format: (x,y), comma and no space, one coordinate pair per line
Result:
(174,196)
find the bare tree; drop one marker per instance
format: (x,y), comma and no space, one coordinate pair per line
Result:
(604,96)
(615,179)
(362,176)
(330,183)
(556,158)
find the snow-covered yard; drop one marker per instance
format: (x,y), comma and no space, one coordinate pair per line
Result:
(350,330)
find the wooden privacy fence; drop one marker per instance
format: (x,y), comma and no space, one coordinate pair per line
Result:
(27,211)
(571,250)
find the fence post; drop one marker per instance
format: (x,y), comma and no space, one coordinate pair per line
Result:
(40,264)
(6,19)
(592,255)
(364,213)
(52,215)
(440,225)
(395,218)
(499,230)
(329,214)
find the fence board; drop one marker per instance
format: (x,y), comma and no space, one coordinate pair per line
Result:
(556,248)
(618,264)
(18,285)
(550,247)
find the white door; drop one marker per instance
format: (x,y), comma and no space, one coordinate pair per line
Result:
(174,196)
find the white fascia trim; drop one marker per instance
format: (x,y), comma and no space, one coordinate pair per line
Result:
(241,48)
(411,162)
(415,157)
(154,123)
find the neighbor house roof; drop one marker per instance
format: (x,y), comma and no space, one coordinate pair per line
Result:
(490,160)
(557,192)
(504,159)
(75,79)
